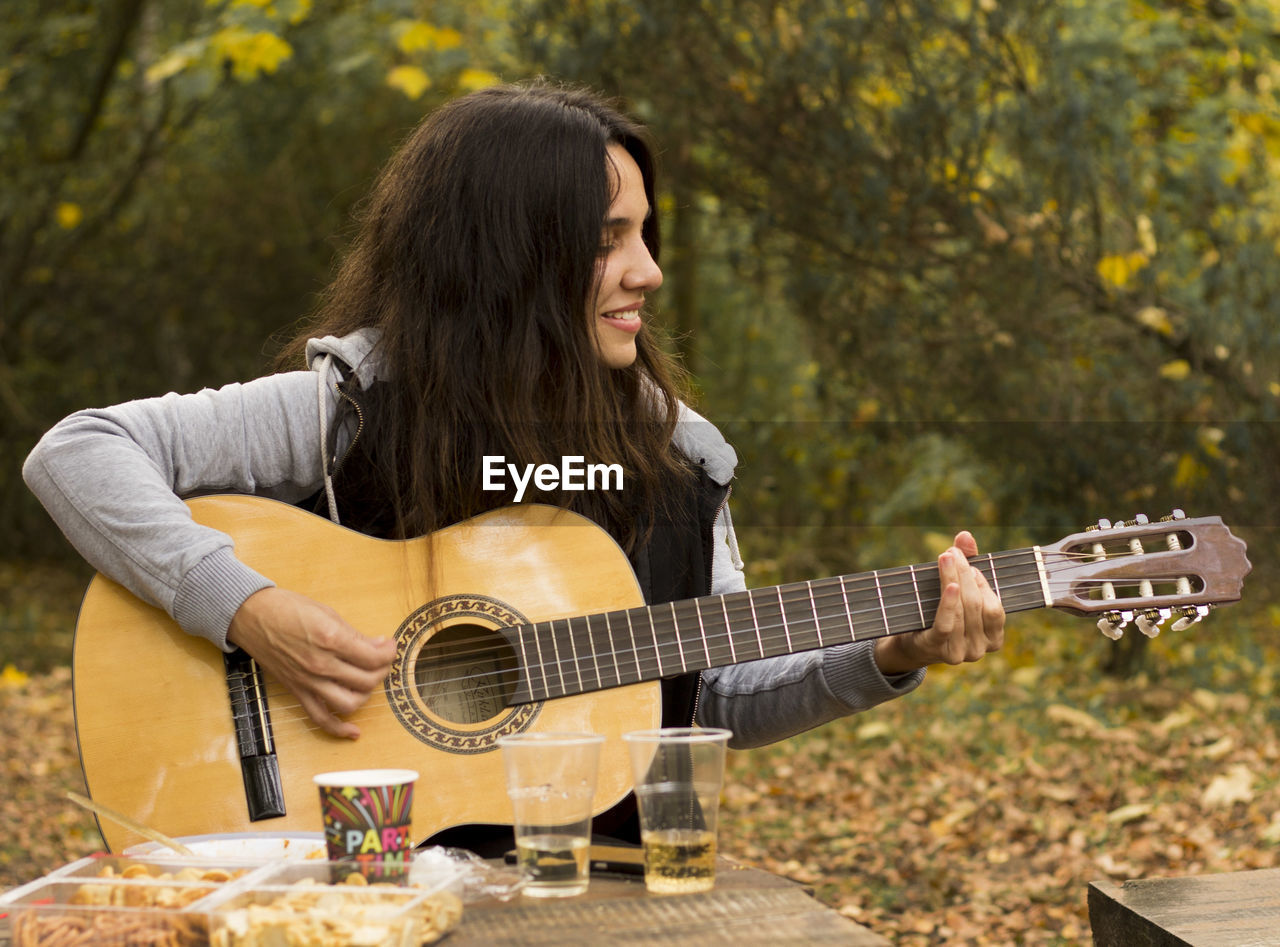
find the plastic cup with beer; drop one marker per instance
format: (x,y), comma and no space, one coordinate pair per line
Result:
(678,775)
(551,781)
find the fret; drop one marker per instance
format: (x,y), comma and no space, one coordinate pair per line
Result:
(657,649)
(581,644)
(995,581)
(915,587)
(635,648)
(818,619)
(782,610)
(766,610)
(524,660)
(675,630)
(884,614)
(601,645)
(542,663)
(755,621)
(701,651)
(864,599)
(728,631)
(555,644)
(740,620)
(702,633)
(830,611)
(799,618)
(717,637)
(613,647)
(848,613)
(1021,578)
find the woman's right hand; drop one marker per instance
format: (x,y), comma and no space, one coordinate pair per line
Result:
(329,666)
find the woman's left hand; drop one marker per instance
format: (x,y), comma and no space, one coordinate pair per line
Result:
(969,622)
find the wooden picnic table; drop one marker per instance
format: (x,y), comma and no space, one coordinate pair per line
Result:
(1218,910)
(747,906)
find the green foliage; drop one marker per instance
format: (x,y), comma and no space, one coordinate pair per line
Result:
(177,176)
(1030,246)
(1004,265)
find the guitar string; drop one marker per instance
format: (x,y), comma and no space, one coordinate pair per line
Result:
(626,655)
(651,667)
(828,593)
(815,593)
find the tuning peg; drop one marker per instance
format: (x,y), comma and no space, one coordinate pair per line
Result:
(1190,615)
(1112,624)
(1150,620)
(1173,515)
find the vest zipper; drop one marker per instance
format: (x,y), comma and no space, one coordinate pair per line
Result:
(359,430)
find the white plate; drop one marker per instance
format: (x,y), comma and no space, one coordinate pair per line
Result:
(252,846)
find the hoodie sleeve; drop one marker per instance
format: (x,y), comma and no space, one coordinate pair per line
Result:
(113,480)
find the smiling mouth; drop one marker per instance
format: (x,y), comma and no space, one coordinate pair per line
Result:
(629,315)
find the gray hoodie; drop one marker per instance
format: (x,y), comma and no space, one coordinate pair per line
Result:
(113,479)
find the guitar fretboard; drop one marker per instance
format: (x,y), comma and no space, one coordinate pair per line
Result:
(591,652)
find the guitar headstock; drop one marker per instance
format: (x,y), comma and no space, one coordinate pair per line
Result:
(1146,572)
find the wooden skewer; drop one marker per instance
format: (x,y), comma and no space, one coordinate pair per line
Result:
(134,826)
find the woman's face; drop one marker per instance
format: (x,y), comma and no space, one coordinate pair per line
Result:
(626,270)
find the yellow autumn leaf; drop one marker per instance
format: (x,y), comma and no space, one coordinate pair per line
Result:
(69,215)
(413,36)
(873,730)
(170,65)
(12,677)
(1119,268)
(250,53)
(1236,785)
(1074,718)
(410,80)
(471,80)
(1154,317)
(1210,440)
(1176,370)
(1129,813)
(1189,472)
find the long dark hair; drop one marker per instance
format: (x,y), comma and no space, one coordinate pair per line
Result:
(476,257)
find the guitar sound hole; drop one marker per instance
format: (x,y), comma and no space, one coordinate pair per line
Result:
(466,673)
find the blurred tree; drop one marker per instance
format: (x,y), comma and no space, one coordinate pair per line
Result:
(1028,249)
(175,174)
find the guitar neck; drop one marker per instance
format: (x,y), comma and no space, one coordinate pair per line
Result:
(610,649)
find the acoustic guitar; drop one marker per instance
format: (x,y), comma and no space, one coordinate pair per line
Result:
(529,618)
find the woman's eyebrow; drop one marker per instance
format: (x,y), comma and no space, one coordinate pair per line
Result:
(615,222)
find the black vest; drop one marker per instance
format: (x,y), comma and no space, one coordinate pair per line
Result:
(674,564)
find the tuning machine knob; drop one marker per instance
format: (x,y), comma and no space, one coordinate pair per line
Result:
(1190,615)
(1150,620)
(1113,623)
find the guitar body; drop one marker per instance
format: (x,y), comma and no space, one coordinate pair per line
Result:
(154,719)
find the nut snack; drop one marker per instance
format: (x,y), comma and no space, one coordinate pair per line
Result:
(123,902)
(115,901)
(349,914)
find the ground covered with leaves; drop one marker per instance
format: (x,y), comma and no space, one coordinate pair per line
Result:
(975,811)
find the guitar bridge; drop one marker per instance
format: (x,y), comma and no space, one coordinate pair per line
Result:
(259,768)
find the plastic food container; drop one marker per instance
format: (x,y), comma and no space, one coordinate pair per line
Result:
(253,846)
(119,900)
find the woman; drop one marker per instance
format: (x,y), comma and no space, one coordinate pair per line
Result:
(493,305)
